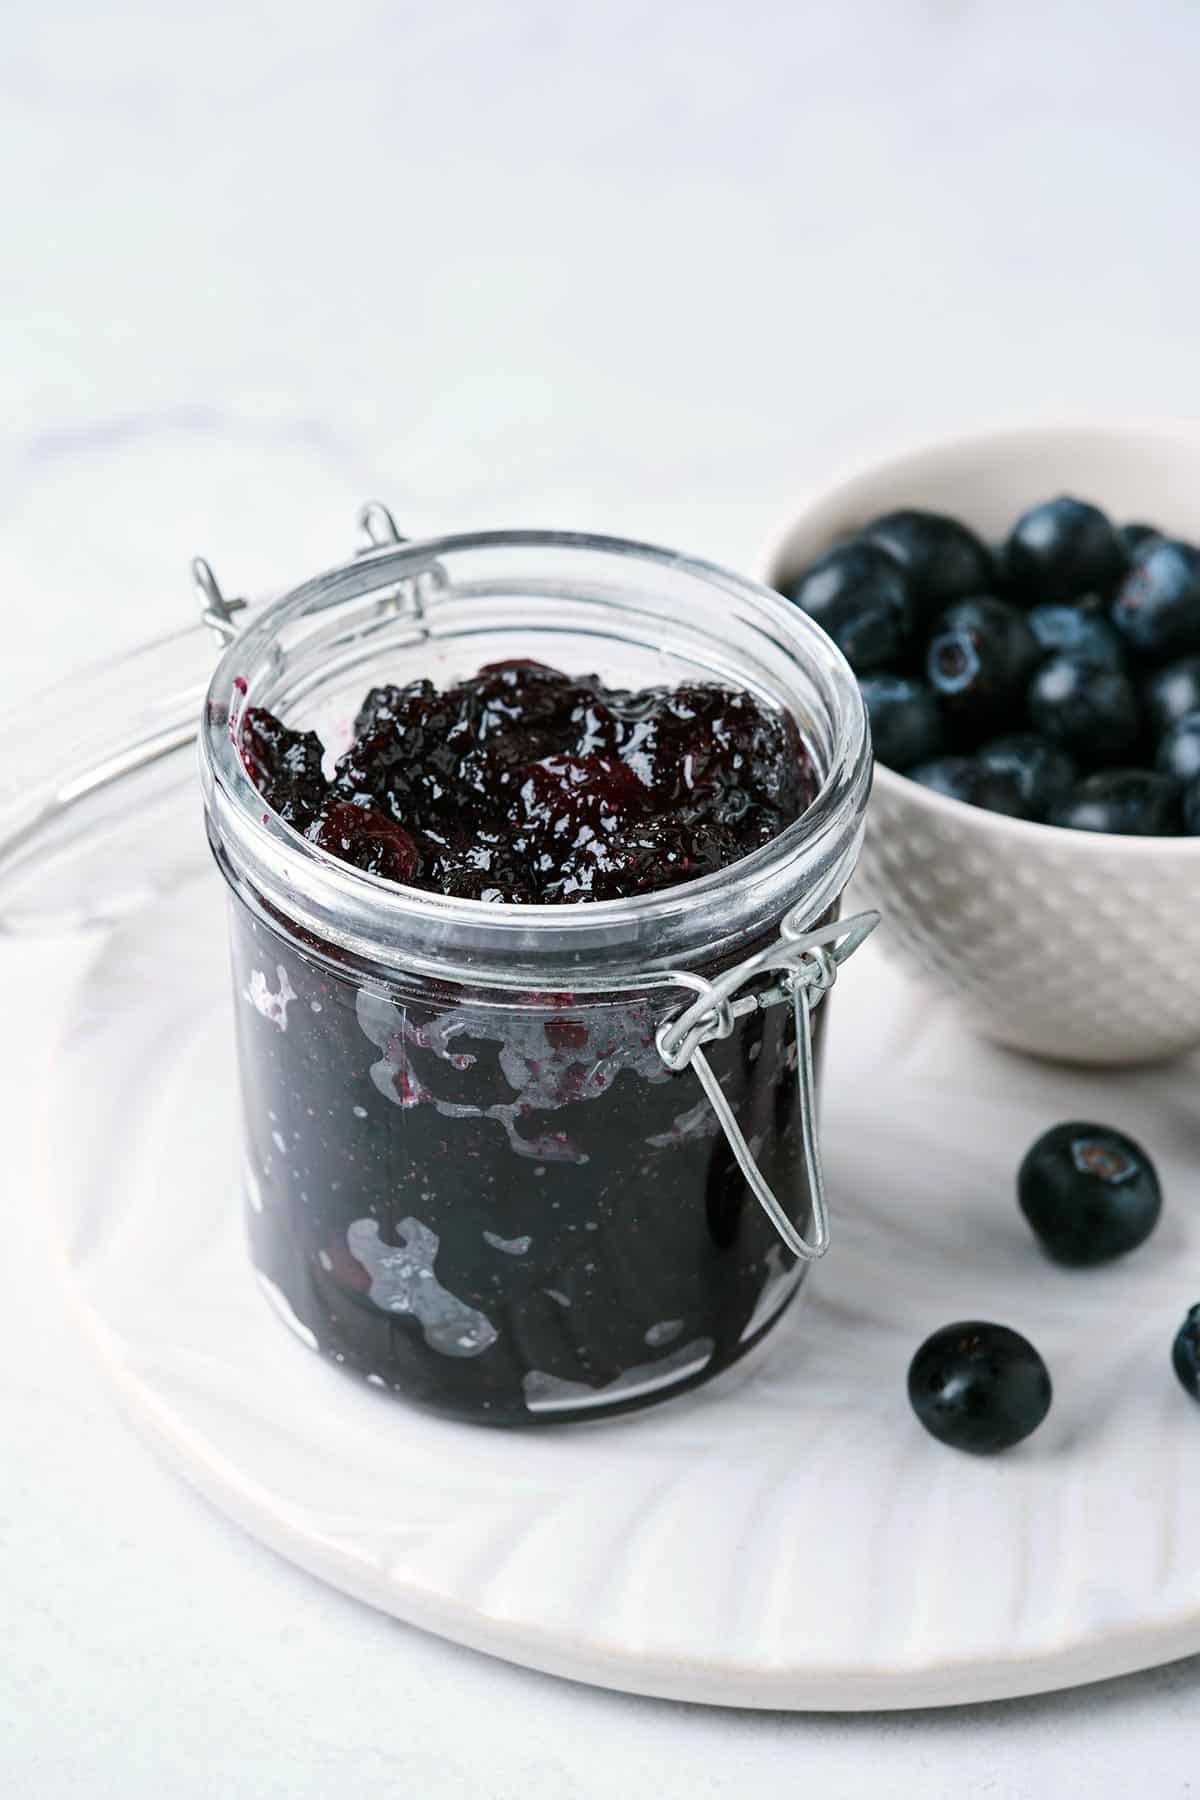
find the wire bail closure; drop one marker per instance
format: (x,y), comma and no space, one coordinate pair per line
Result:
(807,962)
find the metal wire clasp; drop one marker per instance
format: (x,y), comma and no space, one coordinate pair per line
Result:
(808,963)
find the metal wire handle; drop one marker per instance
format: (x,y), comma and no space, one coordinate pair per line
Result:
(808,963)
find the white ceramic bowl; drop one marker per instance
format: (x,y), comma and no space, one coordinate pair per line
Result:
(1068,944)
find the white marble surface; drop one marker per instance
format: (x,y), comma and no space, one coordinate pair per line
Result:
(644,269)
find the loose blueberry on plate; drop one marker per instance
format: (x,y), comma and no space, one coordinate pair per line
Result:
(964,778)
(980,660)
(1185,1352)
(1064,548)
(1157,607)
(1044,774)
(979,1387)
(1090,1193)
(1088,709)
(1135,535)
(859,595)
(1079,631)
(1190,808)
(1124,802)
(1179,751)
(1171,692)
(906,726)
(944,560)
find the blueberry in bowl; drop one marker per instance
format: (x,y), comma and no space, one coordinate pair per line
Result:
(1157,608)
(1121,802)
(1064,548)
(1050,844)
(1077,631)
(979,662)
(942,558)
(906,721)
(1084,706)
(972,781)
(1179,748)
(859,595)
(1044,773)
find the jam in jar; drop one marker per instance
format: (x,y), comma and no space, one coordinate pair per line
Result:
(464,908)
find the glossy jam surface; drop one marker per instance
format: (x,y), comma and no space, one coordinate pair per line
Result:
(522,784)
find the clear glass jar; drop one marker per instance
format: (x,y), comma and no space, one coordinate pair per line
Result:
(471,1179)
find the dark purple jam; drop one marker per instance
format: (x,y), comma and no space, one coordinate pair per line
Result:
(522,784)
(503,1206)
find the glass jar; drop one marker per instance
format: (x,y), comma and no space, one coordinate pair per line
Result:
(472,1176)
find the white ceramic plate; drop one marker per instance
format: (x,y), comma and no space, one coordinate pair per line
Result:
(788,1537)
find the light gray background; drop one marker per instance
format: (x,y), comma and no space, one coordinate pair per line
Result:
(654,269)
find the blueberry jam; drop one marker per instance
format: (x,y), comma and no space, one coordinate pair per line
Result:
(502,1205)
(522,784)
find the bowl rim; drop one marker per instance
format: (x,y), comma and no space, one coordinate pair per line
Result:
(858,472)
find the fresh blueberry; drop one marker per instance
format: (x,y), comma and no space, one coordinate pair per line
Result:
(906,726)
(1125,802)
(1135,535)
(1179,751)
(1089,1192)
(944,561)
(1185,1352)
(1064,548)
(1171,692)
(979,1387)
(1089,710)
(1044,774)
(1078,631)
(1157,608)
(980,660)
(1190,808)
(859,595)
(963,778)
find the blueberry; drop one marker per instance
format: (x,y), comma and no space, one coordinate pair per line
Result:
(1185,1352)
(1064,548)
(906,725)
(963,778)
(1190,807)
(859,595)
(979,1387)
(1078,631)
(1173,691)
(1087,709)
(285,766)
(980,661)
(1089,1192)
(1044,774)
(944,560)
(1126,802)
(1157,608)
(1136,535)
(369,840)
(1179,751)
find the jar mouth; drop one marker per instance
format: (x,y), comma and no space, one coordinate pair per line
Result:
(399,599)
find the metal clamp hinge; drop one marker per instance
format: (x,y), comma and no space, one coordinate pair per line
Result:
(807,963)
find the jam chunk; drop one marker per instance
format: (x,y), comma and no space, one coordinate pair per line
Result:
(523,785)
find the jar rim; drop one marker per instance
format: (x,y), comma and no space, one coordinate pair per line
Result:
(258,838)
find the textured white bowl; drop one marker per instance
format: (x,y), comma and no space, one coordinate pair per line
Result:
(1067,944)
